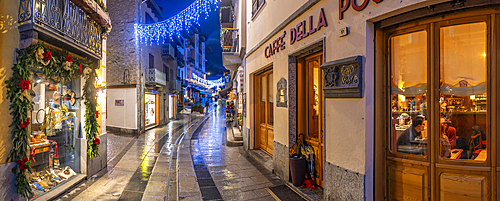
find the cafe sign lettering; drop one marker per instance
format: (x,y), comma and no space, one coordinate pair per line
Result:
(302,30)
(344,5)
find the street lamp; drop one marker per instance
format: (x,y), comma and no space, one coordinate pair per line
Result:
(208,73)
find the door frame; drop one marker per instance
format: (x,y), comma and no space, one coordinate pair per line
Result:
(257,95)
(304,79)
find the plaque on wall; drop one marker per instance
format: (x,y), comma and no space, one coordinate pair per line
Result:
(343,78)
(281,95)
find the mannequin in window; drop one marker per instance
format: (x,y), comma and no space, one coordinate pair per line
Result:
(411,139)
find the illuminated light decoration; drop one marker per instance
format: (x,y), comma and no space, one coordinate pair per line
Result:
(160,31)
(209,83)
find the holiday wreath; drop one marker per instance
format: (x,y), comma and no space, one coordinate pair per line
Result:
(62,67)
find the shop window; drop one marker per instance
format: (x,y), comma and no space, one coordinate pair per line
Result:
(54,132)
(409,93)
(463,91)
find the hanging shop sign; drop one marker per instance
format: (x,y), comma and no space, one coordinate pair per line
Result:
(301,31)
(344,5)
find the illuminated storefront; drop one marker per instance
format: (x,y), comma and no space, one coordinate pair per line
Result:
(151,109)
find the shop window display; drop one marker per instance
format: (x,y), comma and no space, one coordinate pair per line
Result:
(54,132)
(409,93)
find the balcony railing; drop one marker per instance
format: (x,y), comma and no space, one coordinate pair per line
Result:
(167,52)
(155,77)
(67,19)
(229,39)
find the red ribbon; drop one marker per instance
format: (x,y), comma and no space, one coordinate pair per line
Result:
(33,154)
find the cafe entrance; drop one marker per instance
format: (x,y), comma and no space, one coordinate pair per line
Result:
(437,113)
(310,108)
(264,111)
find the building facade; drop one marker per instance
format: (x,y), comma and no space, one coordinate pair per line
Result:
(142,76)
(60,145)
(393,96)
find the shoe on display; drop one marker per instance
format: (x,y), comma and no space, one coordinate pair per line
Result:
(37,186)
(44,179)
(54,174)
(67,172)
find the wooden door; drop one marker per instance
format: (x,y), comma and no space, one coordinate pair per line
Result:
(264,112)
(311,109)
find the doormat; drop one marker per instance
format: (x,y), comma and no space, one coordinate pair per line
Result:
(283,192)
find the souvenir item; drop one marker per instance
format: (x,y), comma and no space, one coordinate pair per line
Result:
(54,174)
(69,95)
(37,186)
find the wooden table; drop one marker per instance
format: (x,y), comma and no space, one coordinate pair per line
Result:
(457,153)
(482,156)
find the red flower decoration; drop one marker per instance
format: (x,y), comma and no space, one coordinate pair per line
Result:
(47,56)
(80,68)
(97,141)
(24,124)
(25,84)
(22,163)
(96,114)
(68,58)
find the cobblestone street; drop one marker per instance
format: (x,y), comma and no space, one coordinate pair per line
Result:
(186,159)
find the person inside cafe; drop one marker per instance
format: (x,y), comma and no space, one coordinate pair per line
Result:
(444,143)
(450,132)
(411,140)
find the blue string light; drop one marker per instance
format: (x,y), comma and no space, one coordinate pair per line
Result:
(161,31)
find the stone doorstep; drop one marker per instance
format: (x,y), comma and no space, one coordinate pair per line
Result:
(230,138)
(262,158)
(237,134)
(63,188)
(302,194)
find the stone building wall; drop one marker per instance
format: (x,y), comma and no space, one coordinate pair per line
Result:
(124,14)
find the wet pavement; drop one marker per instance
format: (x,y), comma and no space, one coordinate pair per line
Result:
(234,173)
(186,159)
(130,163)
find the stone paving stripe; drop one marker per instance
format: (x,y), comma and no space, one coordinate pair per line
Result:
(283,192)
(206,183)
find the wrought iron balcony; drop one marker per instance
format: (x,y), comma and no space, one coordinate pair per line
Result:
(229,39)
(167,52)
(65,19)
(180,61)
(155,77)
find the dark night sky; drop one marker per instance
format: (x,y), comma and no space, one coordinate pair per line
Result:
(211,26)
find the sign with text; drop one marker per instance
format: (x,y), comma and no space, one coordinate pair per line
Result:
(344,5)
(302,30)
(343,78)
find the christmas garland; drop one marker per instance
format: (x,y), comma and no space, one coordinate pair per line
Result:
(57,65)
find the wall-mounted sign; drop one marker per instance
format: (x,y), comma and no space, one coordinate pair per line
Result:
(303,29)
(344,6)
(276,46)
(343,78)
(119,102)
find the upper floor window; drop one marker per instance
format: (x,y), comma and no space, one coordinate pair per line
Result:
(151,61)
(256,5)
(149,19)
